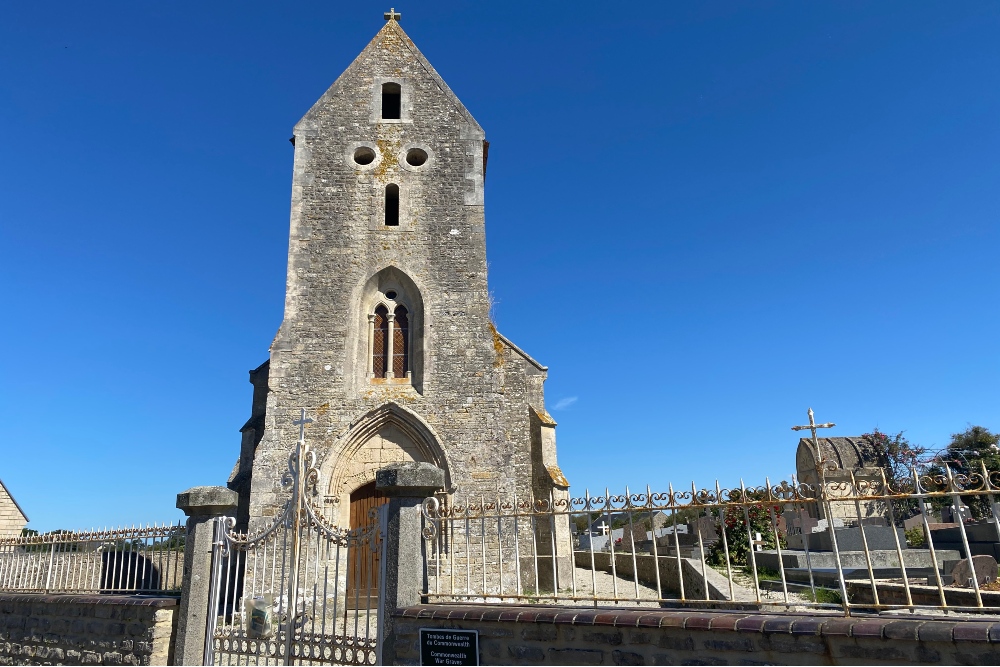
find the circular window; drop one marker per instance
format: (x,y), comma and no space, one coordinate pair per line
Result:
(364,155)
(390,295)
(416,157)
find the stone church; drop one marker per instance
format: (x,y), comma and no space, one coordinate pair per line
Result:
(387,340)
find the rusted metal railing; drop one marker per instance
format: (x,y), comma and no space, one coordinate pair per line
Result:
(849,544)
(145,559)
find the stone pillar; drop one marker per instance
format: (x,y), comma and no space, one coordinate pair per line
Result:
(371,346)
(402,576)
(201,504)
(389,344)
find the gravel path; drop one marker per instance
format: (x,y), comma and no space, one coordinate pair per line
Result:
(631,594)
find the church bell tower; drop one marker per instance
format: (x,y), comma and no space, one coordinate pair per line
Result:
(387,340)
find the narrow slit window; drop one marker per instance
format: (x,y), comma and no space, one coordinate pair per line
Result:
(380,342)
(392,205)
(400,343)
(392,101)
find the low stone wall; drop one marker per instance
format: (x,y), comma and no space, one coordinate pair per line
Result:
(86,629)
(860,592)
(562,636)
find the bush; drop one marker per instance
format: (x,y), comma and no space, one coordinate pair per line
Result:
(915,537)
(738,537)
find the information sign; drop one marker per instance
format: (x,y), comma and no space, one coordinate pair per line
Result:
(440,646)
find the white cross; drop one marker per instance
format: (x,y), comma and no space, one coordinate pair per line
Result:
(392,15)
(301,423)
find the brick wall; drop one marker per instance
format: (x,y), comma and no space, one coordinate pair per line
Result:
(86,629)
(565,636)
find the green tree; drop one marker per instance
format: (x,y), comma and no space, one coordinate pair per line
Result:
(966,454)
(898,457)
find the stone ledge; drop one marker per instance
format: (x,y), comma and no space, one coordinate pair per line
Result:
(773,624)
(91,598)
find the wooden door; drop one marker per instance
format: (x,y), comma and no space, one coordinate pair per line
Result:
(362,560)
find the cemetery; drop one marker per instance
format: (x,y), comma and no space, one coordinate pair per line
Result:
(397,496)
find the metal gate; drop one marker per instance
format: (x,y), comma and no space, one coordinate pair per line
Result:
(289,593)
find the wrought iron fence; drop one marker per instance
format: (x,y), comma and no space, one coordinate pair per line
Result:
(127,560)
(848,544)
(281,603)
(299,590)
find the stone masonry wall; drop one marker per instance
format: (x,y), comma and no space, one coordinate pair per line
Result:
(86,630)
(11,519)
(565,636)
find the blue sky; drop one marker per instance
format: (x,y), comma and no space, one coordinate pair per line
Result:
(703,217)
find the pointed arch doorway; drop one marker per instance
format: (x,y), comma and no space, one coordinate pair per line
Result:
(363,564)
(388,434)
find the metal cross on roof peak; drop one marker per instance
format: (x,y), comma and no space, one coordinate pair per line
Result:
(301,423)
(392,15)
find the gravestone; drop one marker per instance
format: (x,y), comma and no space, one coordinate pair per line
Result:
(633,537)
(982,536)
(799,522)
(706,527)
(879,538)
(983,568)
(956,512)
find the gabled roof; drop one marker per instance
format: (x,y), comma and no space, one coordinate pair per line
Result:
(11,496)
(389,37)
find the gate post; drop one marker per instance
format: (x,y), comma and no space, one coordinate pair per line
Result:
(403,575)
(202,504)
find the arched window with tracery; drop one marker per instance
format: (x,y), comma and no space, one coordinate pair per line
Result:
(380,341)
(400,343)
(389,336)
(392,312)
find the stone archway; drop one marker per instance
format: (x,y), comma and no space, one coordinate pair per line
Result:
(386,435)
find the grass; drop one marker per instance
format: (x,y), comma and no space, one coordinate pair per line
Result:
(824,596)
